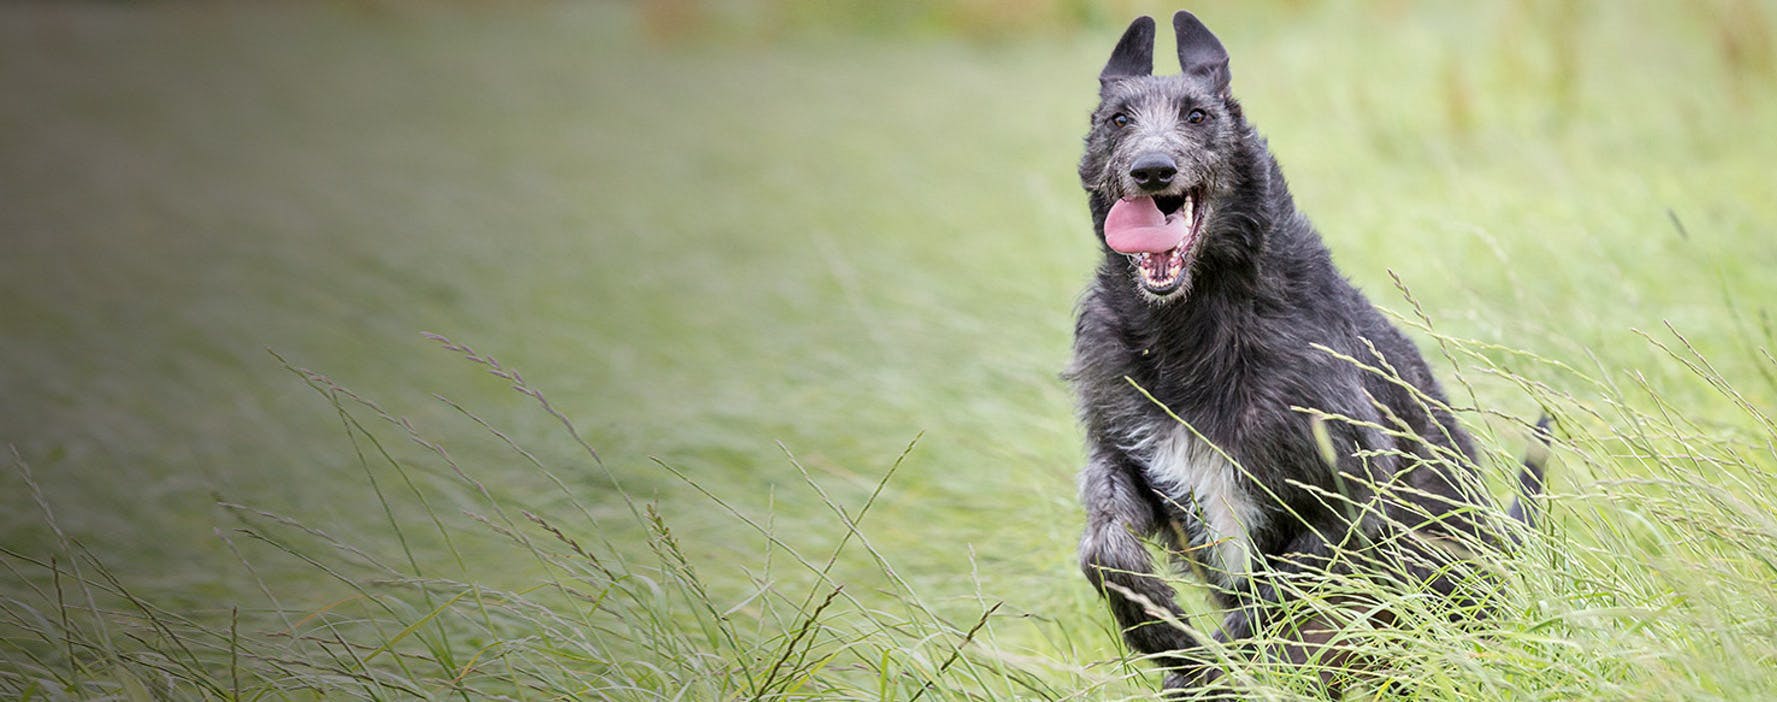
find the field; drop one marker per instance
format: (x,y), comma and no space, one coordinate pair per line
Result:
(534,351)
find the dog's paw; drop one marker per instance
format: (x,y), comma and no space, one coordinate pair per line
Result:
(1195,686)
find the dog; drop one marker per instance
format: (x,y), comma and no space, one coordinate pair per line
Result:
(1244,405)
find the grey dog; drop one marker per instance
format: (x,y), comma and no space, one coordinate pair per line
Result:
(1214,344)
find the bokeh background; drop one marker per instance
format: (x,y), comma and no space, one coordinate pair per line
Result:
(747,253)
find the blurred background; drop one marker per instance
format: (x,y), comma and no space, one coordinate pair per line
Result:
(761,246)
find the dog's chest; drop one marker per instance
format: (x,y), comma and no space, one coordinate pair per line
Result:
(1191,474)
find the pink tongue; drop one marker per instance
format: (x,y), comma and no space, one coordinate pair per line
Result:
(1136,226)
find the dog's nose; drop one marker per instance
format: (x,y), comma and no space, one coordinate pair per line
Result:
(1153,171)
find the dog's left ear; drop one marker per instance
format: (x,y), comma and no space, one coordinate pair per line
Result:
(1134,55)
(1200,54)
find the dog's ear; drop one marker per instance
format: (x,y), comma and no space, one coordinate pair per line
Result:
(1134,55)
(1200,54)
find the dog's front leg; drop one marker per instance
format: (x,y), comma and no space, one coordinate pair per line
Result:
(1120,513)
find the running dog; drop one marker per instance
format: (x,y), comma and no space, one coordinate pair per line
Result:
(1244,405)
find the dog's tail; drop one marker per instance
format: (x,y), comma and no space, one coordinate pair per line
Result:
(1530,479)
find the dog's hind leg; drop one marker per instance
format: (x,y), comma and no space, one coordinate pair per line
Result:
(1298,633)
(1120,513)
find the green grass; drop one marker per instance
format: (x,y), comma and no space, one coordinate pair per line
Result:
(789,310)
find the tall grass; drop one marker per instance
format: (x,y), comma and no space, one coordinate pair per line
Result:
(1651,580)
(597,619)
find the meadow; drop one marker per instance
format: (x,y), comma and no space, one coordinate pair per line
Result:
(537,351)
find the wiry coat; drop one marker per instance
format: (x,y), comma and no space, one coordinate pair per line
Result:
(1240,354)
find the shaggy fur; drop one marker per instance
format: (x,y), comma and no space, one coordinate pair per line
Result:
(1239,488)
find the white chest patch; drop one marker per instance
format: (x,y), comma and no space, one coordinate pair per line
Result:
(1193,474)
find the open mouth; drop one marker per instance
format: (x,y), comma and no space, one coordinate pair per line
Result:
(1160,236)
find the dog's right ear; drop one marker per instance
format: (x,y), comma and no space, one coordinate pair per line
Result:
(1134,55)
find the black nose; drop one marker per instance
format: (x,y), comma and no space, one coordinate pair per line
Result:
(1153,171)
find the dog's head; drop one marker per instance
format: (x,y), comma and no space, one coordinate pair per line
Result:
(1163,153)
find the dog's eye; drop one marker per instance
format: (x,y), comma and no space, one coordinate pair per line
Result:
(1196,116)
(1120,120)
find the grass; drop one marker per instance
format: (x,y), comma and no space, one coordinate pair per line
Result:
(784,315)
